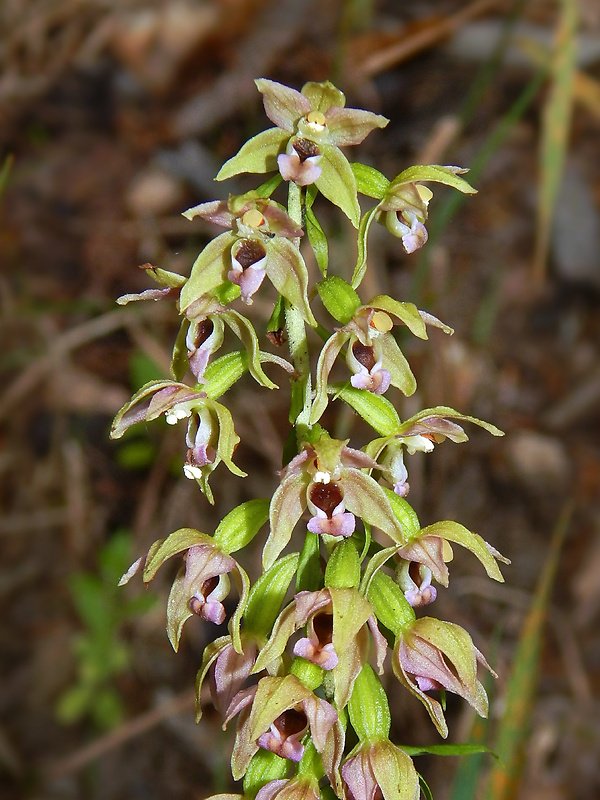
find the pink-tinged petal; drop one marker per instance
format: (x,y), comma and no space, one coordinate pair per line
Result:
(359,778)
(324,657)
(213,612)
(217,212)
(279,222)
(283,105)
(376,380)
(356,459)
(249,280)
(301,172)
(230,671)
(308,603)
(381,643)
(416,237)
(322,717)
(271,789)
(429,551)
(242,700)
(348,126)
(339,525)
(168,293)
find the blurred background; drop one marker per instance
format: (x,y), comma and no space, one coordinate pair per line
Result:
(114,118)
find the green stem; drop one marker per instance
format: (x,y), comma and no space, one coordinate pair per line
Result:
(296,333)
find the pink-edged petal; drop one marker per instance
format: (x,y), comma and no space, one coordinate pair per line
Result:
(301,172)
(348,126)
(381,643)
(322,717)
(283,105)
(216,211)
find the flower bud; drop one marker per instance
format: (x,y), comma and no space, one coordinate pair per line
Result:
(339,298)
(343,567)
(368,707)
(392,609)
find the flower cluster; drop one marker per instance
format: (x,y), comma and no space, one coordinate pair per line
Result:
(307,642)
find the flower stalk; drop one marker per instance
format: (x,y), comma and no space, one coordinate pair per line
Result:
(300,667)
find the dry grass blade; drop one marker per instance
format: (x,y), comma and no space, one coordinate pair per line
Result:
(520,695)
(555,129)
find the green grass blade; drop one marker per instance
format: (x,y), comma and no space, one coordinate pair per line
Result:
(556,123)
(520,695)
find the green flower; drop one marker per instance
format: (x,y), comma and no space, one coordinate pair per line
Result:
(312,125)
(258,245)
(210,437)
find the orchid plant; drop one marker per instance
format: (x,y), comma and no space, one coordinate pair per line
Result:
(346,562)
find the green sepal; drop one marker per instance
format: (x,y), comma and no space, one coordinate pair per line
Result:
(445,412)
(234,626)
(375,409)
(433,172)
(208,271)
(392,609)
(179,360)
(323,95)
(408,313)
(343,567)
(375,564)
(244,330)
(315,233)
(180,540)
(368,707)
(228,439)
(407,515)
(401,374)
(311,675)
(241,525)
(310,576)
(163,277)
(337,182)
(288,274)
(211,652)
(267,595)
(339,298)
(287,506)
(264,768)
(258,154)
(363,233)
(457,533)
(223,372)
(370,181)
